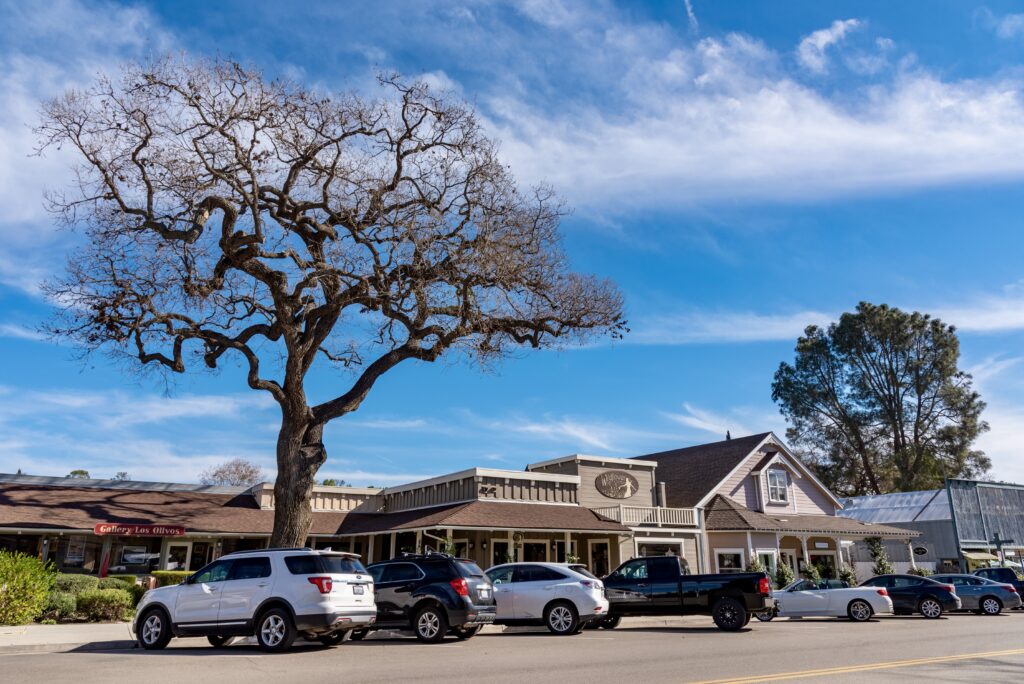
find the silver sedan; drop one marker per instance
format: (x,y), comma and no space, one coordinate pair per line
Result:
(980,594)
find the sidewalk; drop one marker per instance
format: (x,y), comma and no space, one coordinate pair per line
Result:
(53,638)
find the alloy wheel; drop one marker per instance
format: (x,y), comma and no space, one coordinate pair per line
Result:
(273,630)
(428,625)
(860,611)
(991,606)
(930,608)
(152,628)
(560,618)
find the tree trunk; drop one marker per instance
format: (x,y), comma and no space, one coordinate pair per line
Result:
(300,453)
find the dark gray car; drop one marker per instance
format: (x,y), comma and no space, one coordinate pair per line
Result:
(982,595)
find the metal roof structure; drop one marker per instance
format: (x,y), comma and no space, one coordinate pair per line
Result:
(901,507)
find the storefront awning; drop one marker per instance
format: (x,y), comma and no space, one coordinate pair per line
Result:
(980,556)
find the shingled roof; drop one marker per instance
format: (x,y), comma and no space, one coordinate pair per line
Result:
(691,473)
(78,508)
(485,515)
(722,513)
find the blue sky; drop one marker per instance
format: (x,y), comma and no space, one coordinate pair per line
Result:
(740,169)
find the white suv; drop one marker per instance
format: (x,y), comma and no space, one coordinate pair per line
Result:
(274,594)
(563,597)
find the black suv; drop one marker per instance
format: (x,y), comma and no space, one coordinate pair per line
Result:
(431,594)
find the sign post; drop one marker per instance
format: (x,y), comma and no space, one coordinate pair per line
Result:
(999,543)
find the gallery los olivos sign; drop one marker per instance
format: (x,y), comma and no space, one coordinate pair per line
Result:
(131,530)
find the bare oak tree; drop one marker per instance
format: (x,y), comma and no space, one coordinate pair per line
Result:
(225,214)
(234,473)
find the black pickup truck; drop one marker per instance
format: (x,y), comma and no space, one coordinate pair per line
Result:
(661,585)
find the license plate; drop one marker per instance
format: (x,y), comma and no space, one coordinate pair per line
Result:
(485,593)
(357,589)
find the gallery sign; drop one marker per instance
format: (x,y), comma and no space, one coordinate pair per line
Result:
(129,530)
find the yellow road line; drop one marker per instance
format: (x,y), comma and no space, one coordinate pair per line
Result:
(802,674)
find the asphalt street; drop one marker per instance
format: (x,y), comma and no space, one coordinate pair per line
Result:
(955,648)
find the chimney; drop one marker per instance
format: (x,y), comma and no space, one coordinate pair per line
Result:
(662,496)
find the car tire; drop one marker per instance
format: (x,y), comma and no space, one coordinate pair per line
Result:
(859,610)
(463,633)
(154,632)
(219,641)
(561,618)
(357,635)
(930,608)
(729,614)
(332,639)
(990,605)
(430,625)
(766,617)
(275,631)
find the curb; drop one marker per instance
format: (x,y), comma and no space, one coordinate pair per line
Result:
(116,645)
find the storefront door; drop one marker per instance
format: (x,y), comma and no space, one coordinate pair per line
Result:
(500,552)
(825,561)
(535,551)
(599,558)
(178,555)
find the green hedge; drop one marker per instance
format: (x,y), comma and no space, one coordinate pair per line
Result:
(133,589)
(25,583)
(127,579)
(165,578)
(75,584)
(105,604)
(60,605)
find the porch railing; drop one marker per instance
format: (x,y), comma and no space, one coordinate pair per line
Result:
(650,516)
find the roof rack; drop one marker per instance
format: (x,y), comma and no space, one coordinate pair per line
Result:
(427,554)
(272,548)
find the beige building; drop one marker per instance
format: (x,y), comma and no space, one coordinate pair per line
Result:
(717,506)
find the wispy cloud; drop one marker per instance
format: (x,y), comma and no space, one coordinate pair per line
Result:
(811,52)
(708,421)
(986,313)
(20,332)
(691,16)
(389,424)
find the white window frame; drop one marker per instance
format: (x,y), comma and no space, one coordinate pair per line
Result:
(742,555)
(783,488)
(590,552)
(774,553)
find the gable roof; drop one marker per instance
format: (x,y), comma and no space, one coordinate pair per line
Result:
(722,513)
(691,473)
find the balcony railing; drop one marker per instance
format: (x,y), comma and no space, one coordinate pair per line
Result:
(645,516)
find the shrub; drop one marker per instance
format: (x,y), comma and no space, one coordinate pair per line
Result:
(755,566)
(136,591)
(75,584)
(811,572)
(877,550)
(783,576)
(848,575)
(105,604)
(127,579)
(25,582)
(166,578)
(919,571)
(60,605)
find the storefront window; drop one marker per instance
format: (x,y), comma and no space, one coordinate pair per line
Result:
(729,560)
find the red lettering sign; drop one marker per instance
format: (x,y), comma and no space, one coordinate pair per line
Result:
(131,530)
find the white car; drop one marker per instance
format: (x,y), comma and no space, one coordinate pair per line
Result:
(806,598)
(561,596)
(274,594)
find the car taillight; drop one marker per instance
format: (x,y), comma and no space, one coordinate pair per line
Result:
(764,587)
(950,588)
(461,586)
(324,584)
(591,584)
(1010,588)
(883,592)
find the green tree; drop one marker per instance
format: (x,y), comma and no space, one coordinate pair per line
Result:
(226,217)
(79,473)
(876,547)
(331,482)
(877,403)
(783,576)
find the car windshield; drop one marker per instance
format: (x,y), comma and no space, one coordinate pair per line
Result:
(469,568)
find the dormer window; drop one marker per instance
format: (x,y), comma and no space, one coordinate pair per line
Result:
(778,486)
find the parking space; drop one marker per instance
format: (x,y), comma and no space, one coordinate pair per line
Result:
(652,650)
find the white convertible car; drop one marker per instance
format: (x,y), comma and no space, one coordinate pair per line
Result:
(806,598)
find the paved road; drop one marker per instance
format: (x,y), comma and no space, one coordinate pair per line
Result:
(956,648)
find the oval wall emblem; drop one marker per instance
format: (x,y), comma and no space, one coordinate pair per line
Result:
(616,484)
(920,551)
